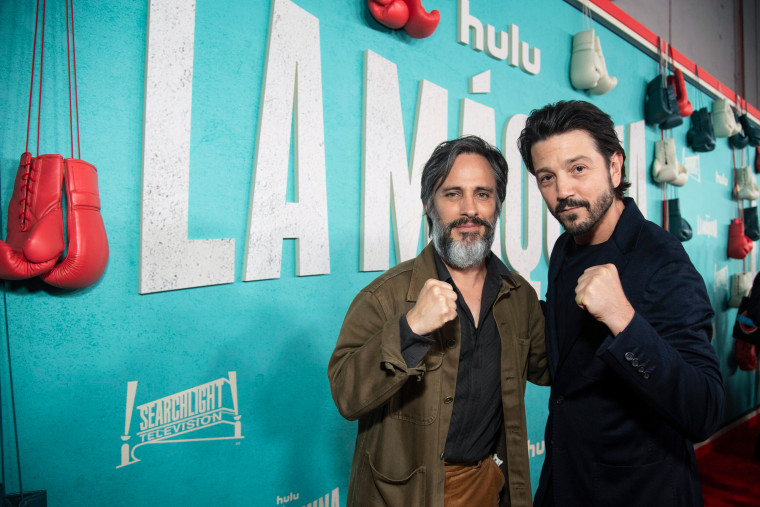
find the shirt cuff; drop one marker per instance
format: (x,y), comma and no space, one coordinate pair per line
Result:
(413,346)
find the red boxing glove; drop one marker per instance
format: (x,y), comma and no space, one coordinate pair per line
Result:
(739,245)
(684,106)
(391,13)
(745,356)
(35,219)
(87,253)
(421,23)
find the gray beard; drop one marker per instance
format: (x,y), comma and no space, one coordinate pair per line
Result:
(469,251)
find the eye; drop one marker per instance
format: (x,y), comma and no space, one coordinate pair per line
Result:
(544,178)
(579,168)
(483,195)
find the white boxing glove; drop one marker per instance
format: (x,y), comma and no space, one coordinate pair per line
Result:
(666,168)
(585,66)
(746,184)
(724,123)
(606,82)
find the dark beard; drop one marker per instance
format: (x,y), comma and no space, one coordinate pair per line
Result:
(595,213)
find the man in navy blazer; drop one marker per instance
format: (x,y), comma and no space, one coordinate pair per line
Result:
(635,380)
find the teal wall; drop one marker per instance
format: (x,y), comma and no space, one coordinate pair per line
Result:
(74,352)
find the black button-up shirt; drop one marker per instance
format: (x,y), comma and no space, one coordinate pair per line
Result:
(476,417)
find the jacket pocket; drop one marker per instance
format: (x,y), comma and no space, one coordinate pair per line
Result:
(647,485)
(378,489)
(419,401)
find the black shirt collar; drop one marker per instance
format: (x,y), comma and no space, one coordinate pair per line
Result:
(495,269)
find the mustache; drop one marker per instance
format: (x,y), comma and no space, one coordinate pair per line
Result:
(571,203)
(468,220)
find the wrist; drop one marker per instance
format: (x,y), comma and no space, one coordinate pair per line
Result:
(622,320)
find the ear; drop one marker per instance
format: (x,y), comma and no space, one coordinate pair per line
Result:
(616,165)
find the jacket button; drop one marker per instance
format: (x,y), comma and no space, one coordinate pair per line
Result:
(635,362)
(560,399)
(448,399)
(629,356)
(645,375)
(451,343)
(641,369)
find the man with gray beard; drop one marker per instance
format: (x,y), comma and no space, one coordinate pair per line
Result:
(433,355)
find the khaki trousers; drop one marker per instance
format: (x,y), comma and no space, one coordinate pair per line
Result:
(473,484)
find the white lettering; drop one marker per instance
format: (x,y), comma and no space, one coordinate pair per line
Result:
(522,208)
(636,163)
(168,260)
(292,80)
(387,178)
(508,46)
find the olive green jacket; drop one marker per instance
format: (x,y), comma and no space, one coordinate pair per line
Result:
(404,413)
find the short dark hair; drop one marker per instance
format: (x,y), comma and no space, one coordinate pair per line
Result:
(565,116)
(441,161)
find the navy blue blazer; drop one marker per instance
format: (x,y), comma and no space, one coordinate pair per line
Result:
(624,410)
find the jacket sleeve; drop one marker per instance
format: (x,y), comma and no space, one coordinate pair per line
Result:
(538,365)
(367,367)
(665,352)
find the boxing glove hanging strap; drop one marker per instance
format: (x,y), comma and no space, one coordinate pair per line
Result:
(71,54)
(71,61)
(31,85)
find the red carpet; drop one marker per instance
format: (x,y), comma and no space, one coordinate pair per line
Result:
(730,475)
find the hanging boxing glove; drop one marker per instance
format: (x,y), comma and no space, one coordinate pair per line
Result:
(656,107)
(666,168)
(701,136)
(677,80)
(746,184)
(751,225)
(739,287)
(674,119)
(677,226)
(35,219)
(87,253)
(421,23)
(751,130)
(390,13)
(723,120)
(745,356)
(606,82)
(739,245)
(739,140)
(585,67)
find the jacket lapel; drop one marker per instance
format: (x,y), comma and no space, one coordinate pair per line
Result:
(624,238)
(552,345)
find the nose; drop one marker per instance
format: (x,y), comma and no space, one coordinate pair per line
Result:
(467,205)
(564,187)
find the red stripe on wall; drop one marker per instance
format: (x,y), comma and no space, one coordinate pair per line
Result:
(624,22)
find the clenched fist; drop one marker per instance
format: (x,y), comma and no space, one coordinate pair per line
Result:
(435,306)
(600,292)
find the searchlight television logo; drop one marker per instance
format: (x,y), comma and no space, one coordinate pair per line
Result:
(202,413)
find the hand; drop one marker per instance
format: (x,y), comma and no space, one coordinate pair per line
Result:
(600,293)
(436,305)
